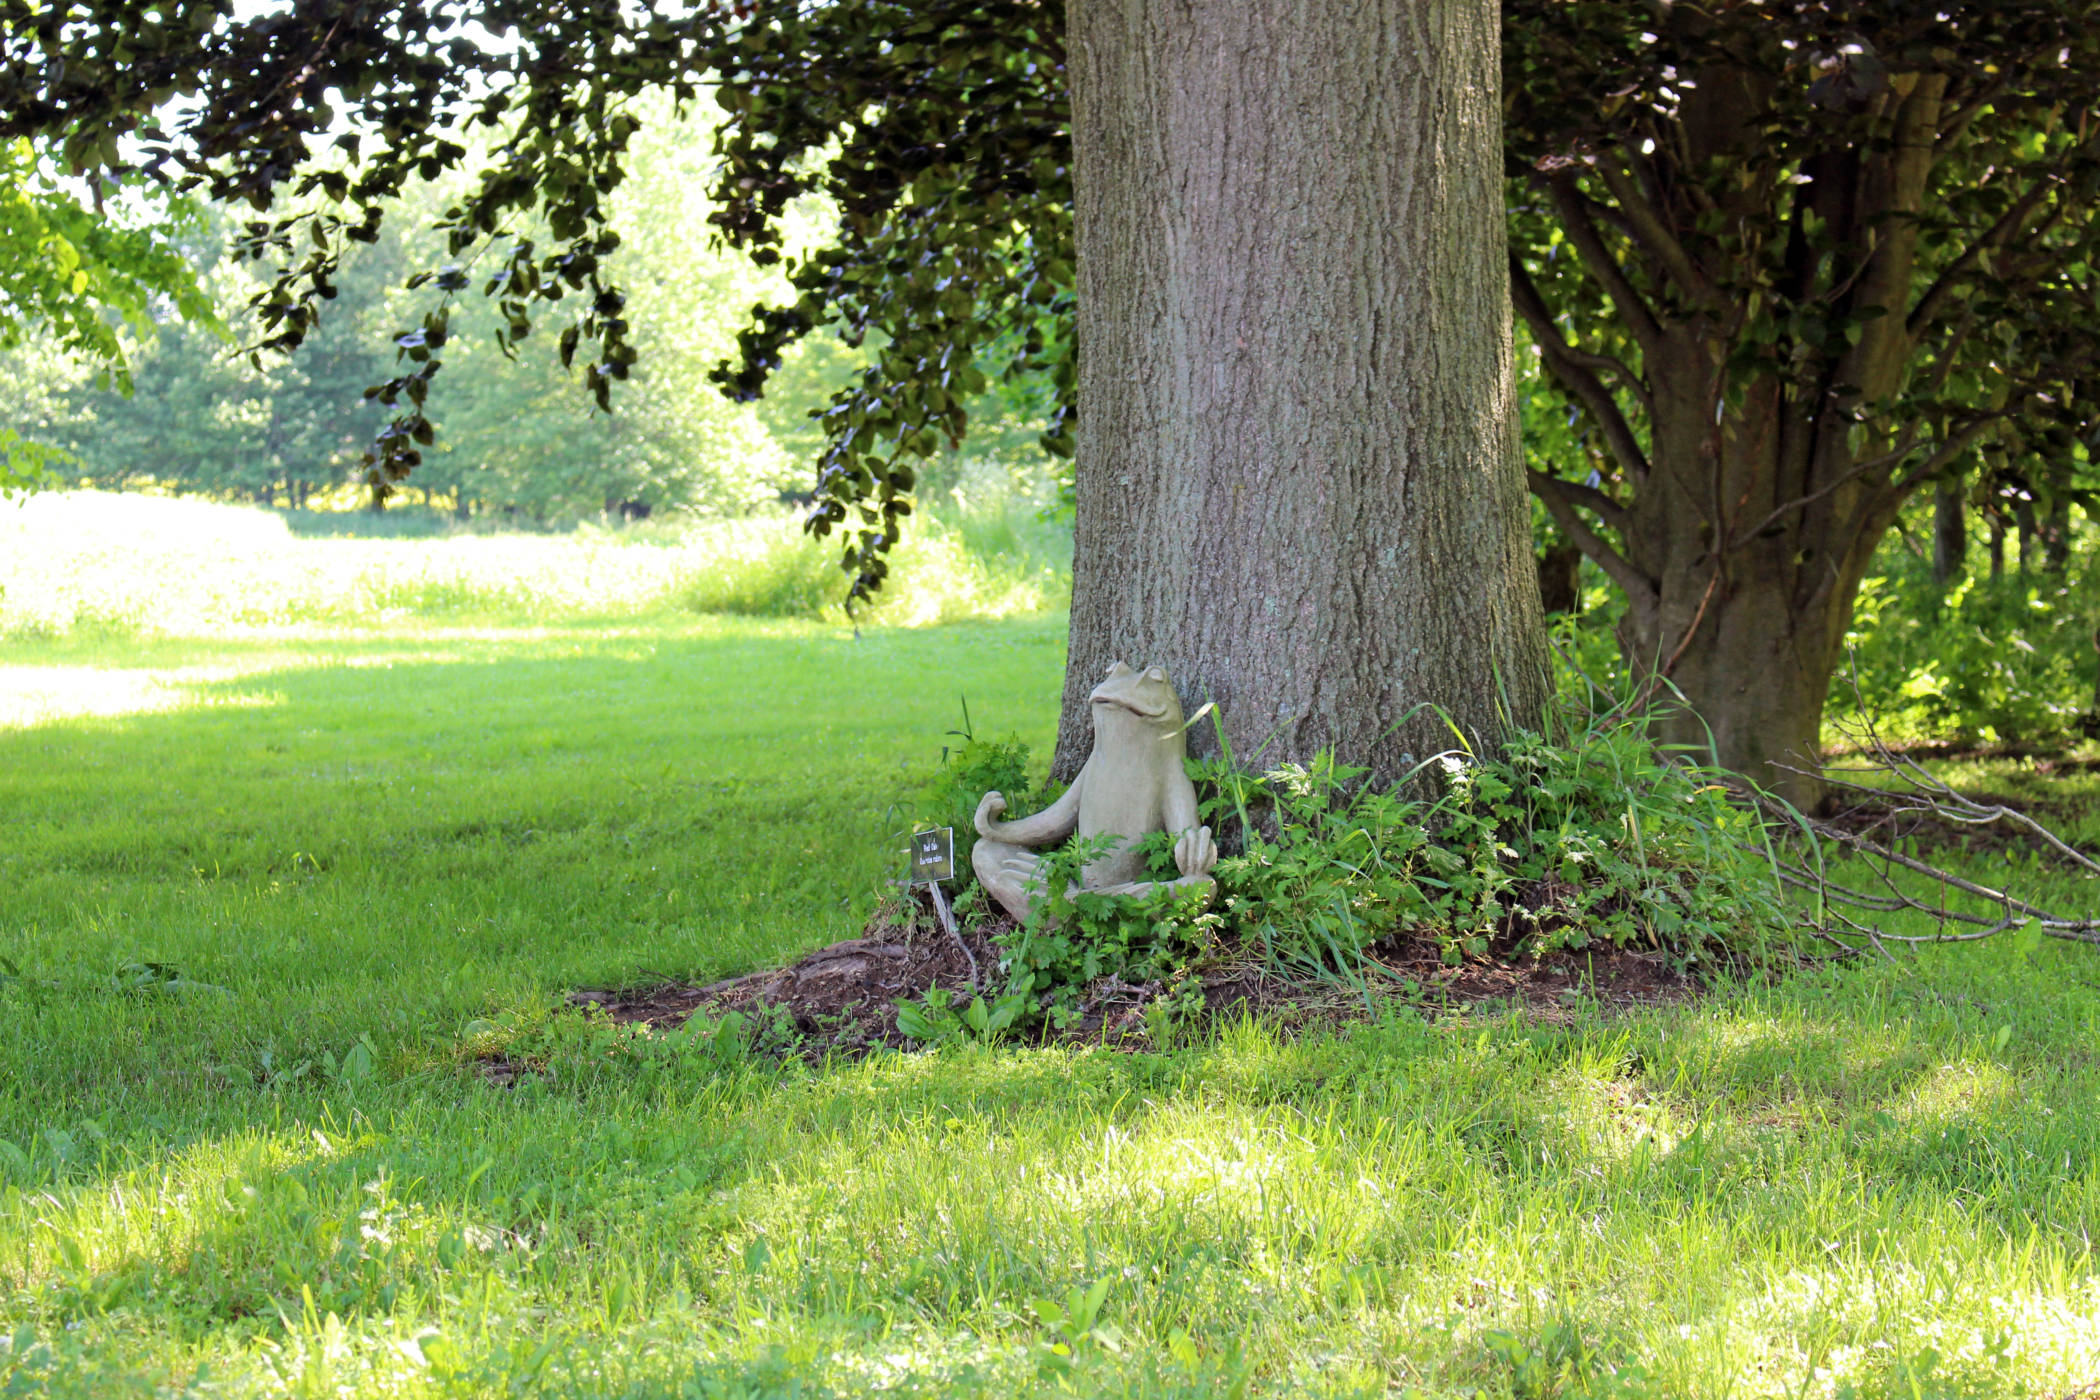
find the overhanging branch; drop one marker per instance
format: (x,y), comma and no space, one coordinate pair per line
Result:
(1559,499)
(1577,370)
(1946,452)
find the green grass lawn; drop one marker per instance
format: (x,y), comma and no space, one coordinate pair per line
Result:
(364,855)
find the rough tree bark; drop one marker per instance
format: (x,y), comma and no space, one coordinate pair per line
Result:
(1299,486)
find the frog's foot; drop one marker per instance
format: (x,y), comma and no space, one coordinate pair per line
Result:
(1145,887)
(1010,873)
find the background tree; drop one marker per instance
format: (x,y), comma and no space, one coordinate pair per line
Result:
(73,271)
(1803,261)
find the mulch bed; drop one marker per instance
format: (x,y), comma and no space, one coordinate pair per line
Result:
(843,998)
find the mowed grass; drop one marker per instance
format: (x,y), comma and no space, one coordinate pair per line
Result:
(376,852)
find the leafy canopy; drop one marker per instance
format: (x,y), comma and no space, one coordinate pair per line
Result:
(941,132)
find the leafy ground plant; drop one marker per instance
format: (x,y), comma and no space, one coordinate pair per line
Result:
(1075,936)
(1588,838)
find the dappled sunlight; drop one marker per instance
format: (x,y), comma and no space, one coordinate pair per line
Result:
(1612,1118)
(1808,1321)
(32,695)
(1967,1089)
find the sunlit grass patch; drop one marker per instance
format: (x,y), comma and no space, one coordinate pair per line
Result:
(125,566)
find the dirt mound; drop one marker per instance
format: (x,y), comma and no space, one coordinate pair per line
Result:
(843,998)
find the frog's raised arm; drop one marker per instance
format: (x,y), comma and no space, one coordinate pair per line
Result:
(1054,823)
(1178,802)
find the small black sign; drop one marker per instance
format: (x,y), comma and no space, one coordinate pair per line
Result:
(933,855)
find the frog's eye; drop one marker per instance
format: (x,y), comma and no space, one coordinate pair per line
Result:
(1155,674)
(1117,668)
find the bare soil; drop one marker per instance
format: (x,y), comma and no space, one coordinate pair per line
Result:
(842,999)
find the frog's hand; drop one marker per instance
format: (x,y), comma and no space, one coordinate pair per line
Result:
(1195,853)
(1053,823)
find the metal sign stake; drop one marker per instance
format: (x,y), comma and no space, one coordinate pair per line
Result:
(932,861)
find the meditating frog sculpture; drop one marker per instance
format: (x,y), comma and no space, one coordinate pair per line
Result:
(1132,784)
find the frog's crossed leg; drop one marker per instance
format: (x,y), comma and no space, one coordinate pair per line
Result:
(1010,874)
(1013,875)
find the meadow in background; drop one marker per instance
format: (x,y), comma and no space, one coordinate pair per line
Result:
(123,564)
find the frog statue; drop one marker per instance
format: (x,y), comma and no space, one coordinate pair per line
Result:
(1133,784)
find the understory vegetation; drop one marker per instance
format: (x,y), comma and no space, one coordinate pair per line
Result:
(1584,838)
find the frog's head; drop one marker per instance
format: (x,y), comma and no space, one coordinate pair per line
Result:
(1145,694)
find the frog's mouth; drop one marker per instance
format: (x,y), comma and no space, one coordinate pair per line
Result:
(1097,698)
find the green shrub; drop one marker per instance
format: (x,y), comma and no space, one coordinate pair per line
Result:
(790,576)
(1592,838)
(1588,838)
(2004,661)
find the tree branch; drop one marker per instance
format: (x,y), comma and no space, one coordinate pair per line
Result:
(1654,234)
(1577,370)
(1589,245)
(1950,449)
(1996,236)
(1944,454)
(1557,496)
(1953,128)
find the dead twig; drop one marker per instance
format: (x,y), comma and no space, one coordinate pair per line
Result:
(1909,789)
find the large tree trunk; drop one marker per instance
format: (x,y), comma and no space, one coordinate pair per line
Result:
(1299,486)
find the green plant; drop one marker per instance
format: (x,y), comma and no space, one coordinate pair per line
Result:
(934,1021)
(1074,1324)
(2000,661)
(1074,935)
(1563,1365)
(1590,836)
(966,773)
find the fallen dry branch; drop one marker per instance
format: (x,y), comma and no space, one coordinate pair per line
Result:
(1909,790)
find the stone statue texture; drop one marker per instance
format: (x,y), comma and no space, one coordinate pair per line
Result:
(1131,785)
